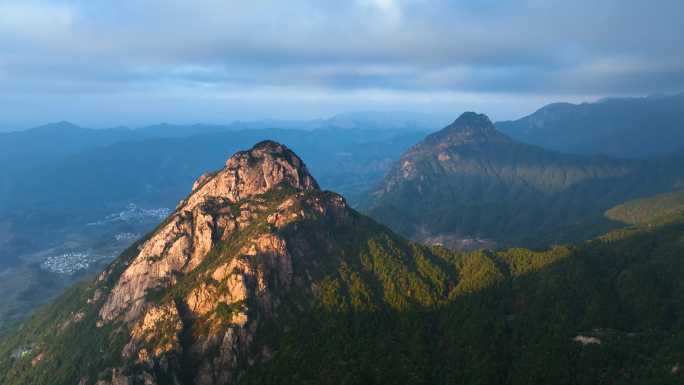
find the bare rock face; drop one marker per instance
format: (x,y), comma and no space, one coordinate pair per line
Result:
(161,326)
(253,172)
(74,318)
(200,221)
(222,304)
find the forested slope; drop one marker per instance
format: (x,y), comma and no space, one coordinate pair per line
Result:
(470,180)
(360,304)
(643,210)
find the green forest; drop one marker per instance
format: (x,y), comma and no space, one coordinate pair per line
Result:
(643,210)
(401,313)
(509,225)
(391,311)
(470,180)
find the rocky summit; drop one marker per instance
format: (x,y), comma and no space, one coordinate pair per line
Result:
(205,218)
(224,299)
(216,269)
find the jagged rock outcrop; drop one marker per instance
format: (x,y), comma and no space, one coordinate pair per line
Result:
(221,305)
(74,318)
(250,173)
(197,225)
(160,326)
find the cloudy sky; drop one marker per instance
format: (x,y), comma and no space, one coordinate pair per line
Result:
(102,63)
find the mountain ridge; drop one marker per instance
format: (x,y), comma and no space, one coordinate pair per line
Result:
(463,169)
(260,277)
(647,209)
(38,145)
(619,127)
(496,159)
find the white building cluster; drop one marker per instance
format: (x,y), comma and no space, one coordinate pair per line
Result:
(67,263)
(133,212)
(126,236)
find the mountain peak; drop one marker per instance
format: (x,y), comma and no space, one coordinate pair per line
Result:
(469,124)
(474,119)
(266,165)
(59,127)
(469,134)
(220,205)
(268,148)
(469,130)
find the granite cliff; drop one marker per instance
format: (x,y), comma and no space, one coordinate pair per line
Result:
(206,217)
(212,273)
(226,301)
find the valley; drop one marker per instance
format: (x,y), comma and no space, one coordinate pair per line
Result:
(62,256)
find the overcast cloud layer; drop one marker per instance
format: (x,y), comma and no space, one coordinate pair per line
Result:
(103,63)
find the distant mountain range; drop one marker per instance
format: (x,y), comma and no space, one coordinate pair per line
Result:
(471,177)
(22,149)
(620,127)
(61,175)
(133,169)
(85,174)
(395,121)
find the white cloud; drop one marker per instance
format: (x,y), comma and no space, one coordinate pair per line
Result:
(325,48)
(34,25)
(35,18)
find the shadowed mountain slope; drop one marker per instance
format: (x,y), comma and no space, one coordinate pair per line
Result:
(469,169)
(621,127)
(470,162)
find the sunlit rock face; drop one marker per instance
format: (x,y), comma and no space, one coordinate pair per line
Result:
(202,219)
(224,302)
